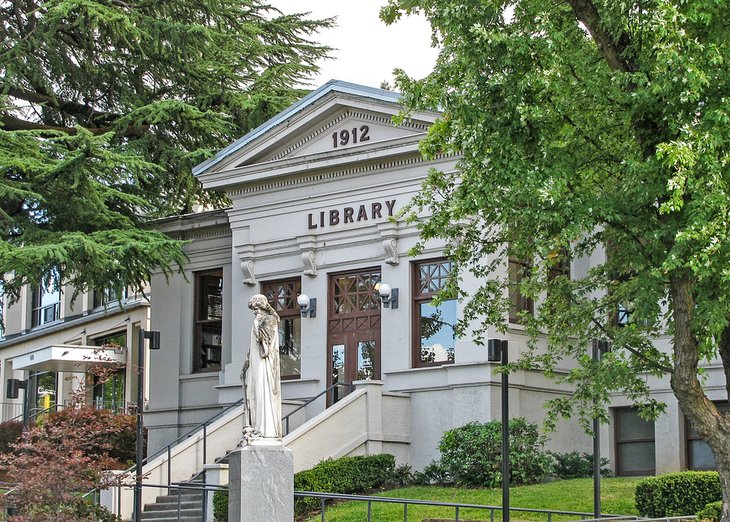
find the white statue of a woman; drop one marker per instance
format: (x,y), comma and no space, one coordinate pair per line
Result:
(261,374)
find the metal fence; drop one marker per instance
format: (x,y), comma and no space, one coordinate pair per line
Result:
(179,492)
(455,507)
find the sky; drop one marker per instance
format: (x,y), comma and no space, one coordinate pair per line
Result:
(367,50)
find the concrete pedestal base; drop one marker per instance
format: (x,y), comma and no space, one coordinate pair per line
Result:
(261,483)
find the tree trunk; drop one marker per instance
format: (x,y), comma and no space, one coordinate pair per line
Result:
(712,425)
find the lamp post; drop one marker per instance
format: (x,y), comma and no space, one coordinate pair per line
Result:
(154,338)
(599,347)
(497,352)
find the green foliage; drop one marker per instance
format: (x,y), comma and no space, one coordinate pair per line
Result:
(586,130)
(105,107)
(220,506)
(344,475)
(575,465)
(711,512)
(433,473)
(402,476)
(10,432)
(472,454)
(672,494)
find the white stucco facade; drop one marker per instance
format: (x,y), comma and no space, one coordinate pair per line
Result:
(305,206)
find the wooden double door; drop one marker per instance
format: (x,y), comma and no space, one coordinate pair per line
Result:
(353,329)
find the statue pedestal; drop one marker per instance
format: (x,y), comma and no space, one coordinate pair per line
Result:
(261,482)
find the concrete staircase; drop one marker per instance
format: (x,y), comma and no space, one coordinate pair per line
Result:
(365,422)
(188,507)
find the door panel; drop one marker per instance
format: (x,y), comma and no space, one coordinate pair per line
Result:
(353,329)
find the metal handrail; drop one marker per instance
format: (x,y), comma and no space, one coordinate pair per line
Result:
(286,417)
(202,426)
(36,413)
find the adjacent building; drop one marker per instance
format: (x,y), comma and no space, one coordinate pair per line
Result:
(68,349)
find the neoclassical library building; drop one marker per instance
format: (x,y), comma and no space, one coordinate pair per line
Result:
(313,225)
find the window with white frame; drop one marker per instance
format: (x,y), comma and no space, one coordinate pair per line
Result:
(46,302)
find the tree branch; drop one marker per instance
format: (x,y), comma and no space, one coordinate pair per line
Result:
(634,351)
(11,123)
(612,50)
(74,108)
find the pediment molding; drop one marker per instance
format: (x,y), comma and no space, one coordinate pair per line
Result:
(376,118)
(356,169)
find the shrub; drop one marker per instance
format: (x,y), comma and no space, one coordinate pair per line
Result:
(402,476)
(220,506)
(674,494)
(472,454)
(711,512)
(344,475)
(576,465)
(62,458)
(10,432)
(434,473)
(107,433)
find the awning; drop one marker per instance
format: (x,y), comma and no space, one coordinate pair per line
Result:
(69,358)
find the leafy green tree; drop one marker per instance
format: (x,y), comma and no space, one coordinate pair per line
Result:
(105,106)
(590,128)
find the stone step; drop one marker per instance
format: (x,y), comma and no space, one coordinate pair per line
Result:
(167,506)
(173,518)
(184,497)
(191,515)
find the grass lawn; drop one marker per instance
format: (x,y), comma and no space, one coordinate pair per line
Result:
(617,497)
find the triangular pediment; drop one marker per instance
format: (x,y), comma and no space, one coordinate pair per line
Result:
(337,120)
(348,129)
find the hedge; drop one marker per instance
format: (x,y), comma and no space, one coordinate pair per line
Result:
(674,494)
(348,475)
(711,513)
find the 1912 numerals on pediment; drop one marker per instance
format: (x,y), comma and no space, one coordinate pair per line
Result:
(347,136)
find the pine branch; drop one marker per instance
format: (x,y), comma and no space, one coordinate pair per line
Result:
(73,108)
(11,123)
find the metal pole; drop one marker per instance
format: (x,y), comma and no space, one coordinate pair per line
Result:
(505,434)
(26,401)
(140,402)
(596,451)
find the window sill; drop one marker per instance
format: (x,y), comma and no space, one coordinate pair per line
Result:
(49,324)
(201,374)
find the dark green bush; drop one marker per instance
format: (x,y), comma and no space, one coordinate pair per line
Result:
(434,473)
(472,454)
(349,475)
(402,476)
(576,465)
(220,506)
(711,512)
(674,494)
